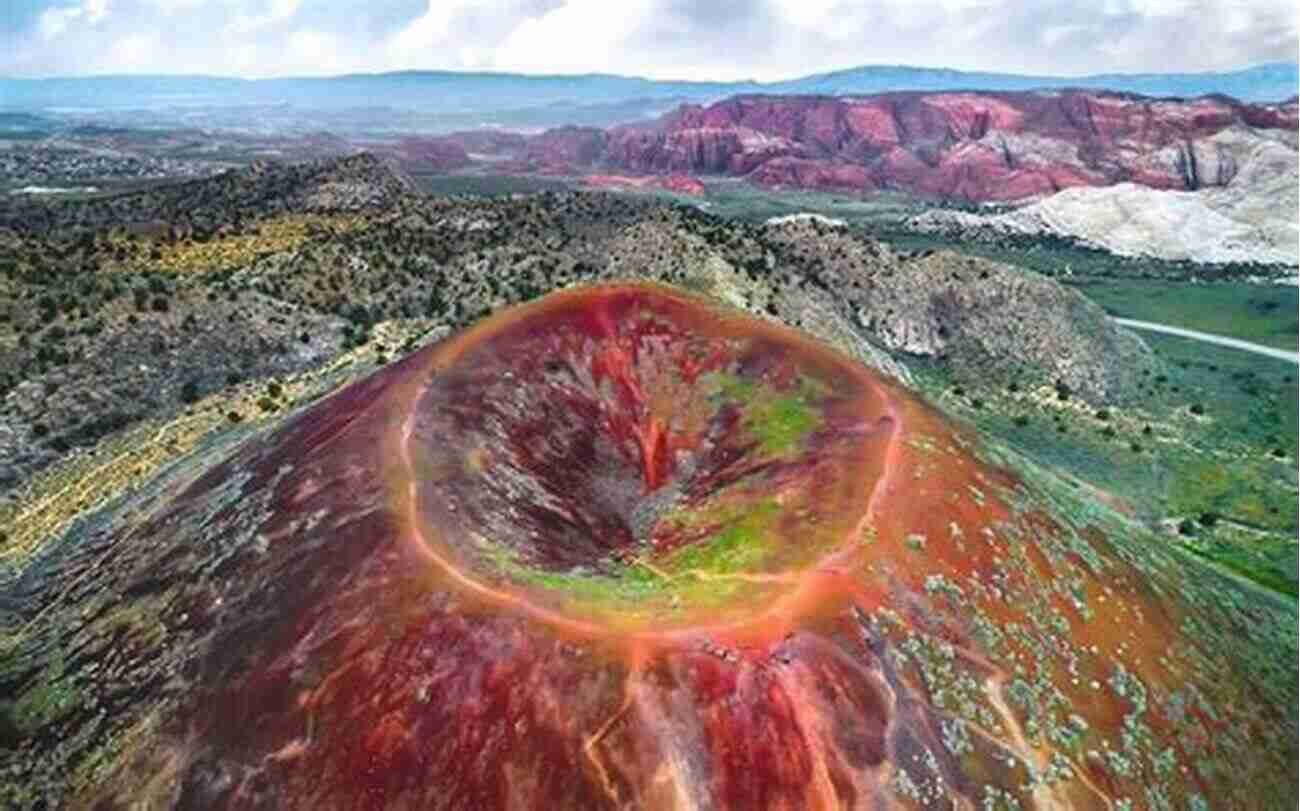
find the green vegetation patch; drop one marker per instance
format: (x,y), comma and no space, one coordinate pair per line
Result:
(1206,457)
(1272,565)
(1260,313)
(45,702)
(1243,489)
(624,584)
(738,546)
(778,420)
(734,198)
(742,541)
(619,584)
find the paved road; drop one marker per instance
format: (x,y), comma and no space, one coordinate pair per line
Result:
(1235,343)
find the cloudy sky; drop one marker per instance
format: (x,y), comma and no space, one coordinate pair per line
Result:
(695,39)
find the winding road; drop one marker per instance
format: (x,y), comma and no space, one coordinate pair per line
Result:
(1235,343)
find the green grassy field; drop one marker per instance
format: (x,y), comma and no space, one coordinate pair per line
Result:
(1248,398)
(1208,452)
(1263,314)
(738,199)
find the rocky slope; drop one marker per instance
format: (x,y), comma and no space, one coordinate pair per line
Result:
(971,313)
(1251,218)
(352,183)
(115,307)
(973,146)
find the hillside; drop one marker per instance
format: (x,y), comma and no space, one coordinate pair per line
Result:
(124,305)
(231,312)
(200,207)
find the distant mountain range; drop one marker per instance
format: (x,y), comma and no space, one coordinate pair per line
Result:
(594,99)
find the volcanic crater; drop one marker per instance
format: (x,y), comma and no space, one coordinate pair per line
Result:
(624,548)
(627,458)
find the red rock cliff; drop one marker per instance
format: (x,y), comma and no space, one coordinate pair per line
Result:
(978,146)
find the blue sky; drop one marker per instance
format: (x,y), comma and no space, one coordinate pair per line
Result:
(717,39)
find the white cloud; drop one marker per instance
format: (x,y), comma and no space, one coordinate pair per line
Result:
(807,13)
(134,49)
(279,12)
(431,27)
(580,36)
(462,33)
(94,10)
(54,21)
(692,39)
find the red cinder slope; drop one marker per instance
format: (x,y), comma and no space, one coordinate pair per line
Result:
(617,548)
(979,146)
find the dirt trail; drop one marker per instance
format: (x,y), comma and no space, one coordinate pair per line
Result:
(1221,340)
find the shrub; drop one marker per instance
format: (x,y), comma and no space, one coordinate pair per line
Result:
(190,391)
(1197,409)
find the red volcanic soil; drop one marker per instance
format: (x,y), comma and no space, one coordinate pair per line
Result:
(978,146)
(618,548)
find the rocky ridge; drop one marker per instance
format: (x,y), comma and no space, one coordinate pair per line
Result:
(975,146)
(352,183)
